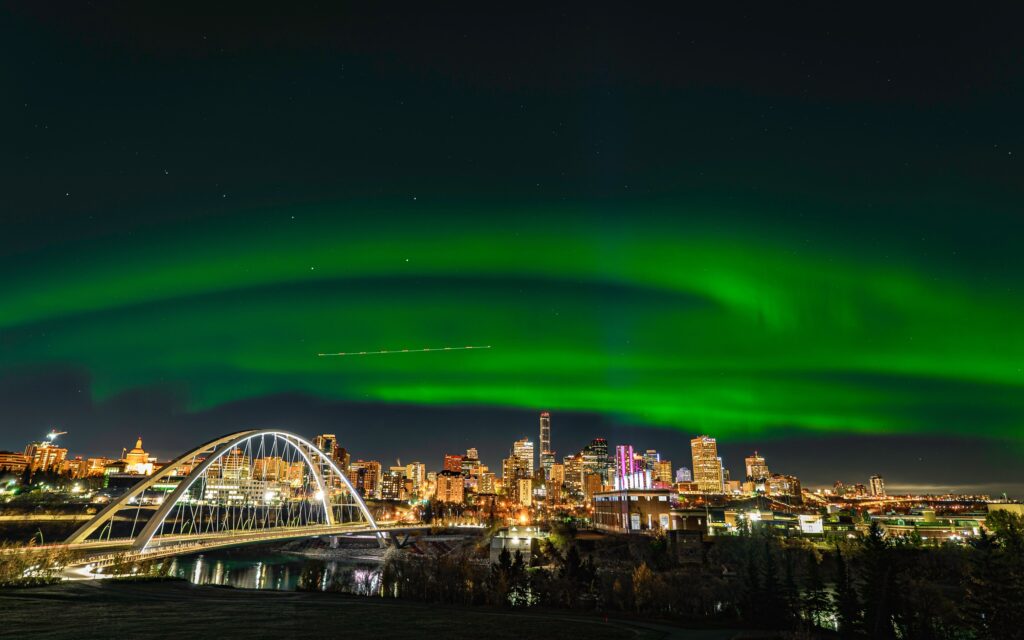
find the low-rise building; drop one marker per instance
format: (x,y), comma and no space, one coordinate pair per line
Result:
(525,540)
(633,510)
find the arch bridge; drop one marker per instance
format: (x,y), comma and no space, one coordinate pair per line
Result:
(251,486)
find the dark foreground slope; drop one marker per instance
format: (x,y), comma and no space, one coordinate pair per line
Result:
(106,609)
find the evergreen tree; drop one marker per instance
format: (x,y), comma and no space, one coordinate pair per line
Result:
(816,605)
(877,583)
(847,606)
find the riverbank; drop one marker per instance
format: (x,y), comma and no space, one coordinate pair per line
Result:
(116,609)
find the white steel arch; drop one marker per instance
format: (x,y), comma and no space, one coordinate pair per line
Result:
(214,451)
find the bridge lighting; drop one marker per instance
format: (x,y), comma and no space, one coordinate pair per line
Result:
(319,495)
(268,496)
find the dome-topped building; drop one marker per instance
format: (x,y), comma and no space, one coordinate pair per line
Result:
(137,460)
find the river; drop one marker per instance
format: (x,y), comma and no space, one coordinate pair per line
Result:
(262,568)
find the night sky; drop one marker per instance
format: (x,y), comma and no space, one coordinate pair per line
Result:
(799,233)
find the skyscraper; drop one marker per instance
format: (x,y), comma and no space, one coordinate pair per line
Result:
(624,465)
(523,449)
(707,466)
(757,468)
(417,472)
(326,442)
(547,456)
(877,486)
(595,457)
(651,457)
(453,462)
(683,474)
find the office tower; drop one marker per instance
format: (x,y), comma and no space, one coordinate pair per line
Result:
(417,472)
(365,477)
(472,453)
(342,458)
(574,469)
(624,462)
(877,486)
(547,456)
(707,466)
(650,458)
(595,456)
(327,442)
(453,462)
(663,471)
(757,469)
(524,449)
(513,468)
(683,474)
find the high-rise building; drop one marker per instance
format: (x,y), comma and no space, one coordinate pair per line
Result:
(365,477)
(683,474)
(449,487)
(757,469)
(547,455)
(523,449)
(574,470)
(45,456)
(513,468)
(595,457)
(472,453)
(453,462)
(707,466)
(778,484)
(326,442)
(524,493)
(392,484)
(663,471)
(342,458)
(877,486)
(417,472)
(650,458)
(470,467)
(486,483)
(624,460)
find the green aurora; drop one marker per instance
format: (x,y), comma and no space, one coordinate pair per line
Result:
(655,322)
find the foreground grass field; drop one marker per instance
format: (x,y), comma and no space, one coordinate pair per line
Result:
(177,609)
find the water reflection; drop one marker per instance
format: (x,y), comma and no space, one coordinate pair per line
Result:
(283,572)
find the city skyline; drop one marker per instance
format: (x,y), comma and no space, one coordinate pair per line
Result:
(870,478)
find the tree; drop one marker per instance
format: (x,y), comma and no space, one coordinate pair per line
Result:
(847,606)
(816,604)
(877,583)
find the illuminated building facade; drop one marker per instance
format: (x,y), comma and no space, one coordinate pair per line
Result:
(757,468)
(449,487)
(877,486)
(365,477)
(707,466)
(523,449)
(43,456)
(452,462)
(547,455)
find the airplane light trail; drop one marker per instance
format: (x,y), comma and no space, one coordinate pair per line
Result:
(387,351)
